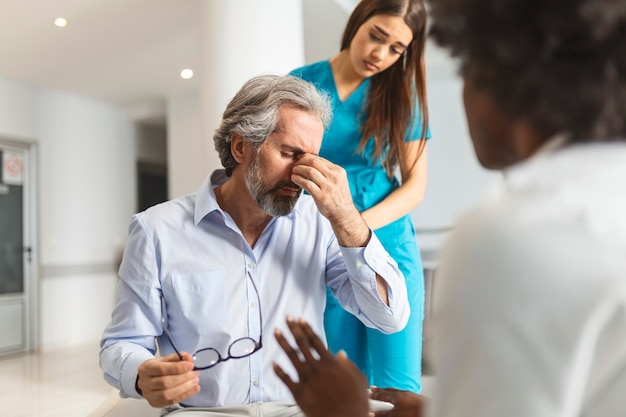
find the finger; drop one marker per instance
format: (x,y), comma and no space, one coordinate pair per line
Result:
(384,394)
(165,366)
(176,394)
(284,377)
(375,392)
(184,391)
(315,340)
(342,356)
(175,358)
(344,360)
(170,358)
(187,394)
(315,172)
(301,339)
(317,176)
(324,167)
(292,354)
(312,166)
(306,184)
(165,382)
(316,161)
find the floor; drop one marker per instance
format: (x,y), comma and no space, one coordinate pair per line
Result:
(62,383)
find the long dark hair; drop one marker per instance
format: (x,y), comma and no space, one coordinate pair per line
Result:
(390,106)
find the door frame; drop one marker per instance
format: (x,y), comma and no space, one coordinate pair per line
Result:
(30,233)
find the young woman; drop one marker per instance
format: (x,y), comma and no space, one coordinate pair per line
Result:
(376,84)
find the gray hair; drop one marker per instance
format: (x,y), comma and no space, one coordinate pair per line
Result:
(253,112)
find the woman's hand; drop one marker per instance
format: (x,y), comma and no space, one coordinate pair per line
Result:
(406,403)
(328,386)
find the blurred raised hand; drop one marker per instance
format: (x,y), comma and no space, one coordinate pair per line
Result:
(328,385)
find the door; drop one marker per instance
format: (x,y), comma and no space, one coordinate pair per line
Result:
(17,282)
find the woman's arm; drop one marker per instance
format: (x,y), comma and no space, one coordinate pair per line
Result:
(409,194)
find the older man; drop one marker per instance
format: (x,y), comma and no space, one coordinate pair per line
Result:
(213,273)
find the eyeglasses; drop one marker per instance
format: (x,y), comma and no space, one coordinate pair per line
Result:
(209,357)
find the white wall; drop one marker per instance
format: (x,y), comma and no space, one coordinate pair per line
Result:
(323,27)
(86,196)
(17,117)
(455,179)
(87,189)
(188,153)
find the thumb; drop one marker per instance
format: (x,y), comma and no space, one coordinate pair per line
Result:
(173,357)
(342,358)
(342,355)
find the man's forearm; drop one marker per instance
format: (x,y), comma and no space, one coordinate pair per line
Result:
(351,231)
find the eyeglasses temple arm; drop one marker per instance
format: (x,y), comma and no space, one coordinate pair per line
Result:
(258,296)
(165,331)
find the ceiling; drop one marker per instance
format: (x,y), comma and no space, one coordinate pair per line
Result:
(129,52)
(121,51)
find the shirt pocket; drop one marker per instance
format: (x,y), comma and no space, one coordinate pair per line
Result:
(202,300)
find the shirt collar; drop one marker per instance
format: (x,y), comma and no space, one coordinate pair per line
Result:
(206,201)
(205,196)
(555,142)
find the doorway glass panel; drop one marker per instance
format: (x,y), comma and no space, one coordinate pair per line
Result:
(11,236)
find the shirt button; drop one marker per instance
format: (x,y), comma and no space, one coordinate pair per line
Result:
(255,383)
(251,265)
(253,304)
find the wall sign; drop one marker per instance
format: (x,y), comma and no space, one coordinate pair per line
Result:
(12,168)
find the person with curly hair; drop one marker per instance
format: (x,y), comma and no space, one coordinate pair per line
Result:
(377,87)
(530,307)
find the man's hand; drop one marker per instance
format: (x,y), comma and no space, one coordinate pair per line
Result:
(328,386)
(328,185)
(406,403)
(168,380)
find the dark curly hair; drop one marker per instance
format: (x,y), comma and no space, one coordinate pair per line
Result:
(559,63)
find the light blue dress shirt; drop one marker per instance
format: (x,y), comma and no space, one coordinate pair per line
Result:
(192,253)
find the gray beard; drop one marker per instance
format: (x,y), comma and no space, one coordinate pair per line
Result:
(265,196)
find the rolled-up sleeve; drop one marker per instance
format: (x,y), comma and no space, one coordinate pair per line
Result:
(356,287)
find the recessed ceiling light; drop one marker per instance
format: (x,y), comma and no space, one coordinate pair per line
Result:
(60,22)
(186,74)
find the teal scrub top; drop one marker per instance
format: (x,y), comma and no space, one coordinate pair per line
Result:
(369,182)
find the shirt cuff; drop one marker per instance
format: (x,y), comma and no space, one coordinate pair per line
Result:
(356,264)
(365,262)
(129,374)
